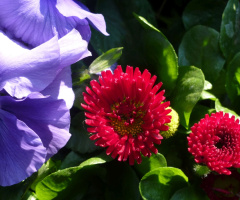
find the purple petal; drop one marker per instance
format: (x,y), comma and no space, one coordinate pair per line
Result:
(23,71)
(37,21)
(47,117)
(70,8)
(22,152)
(72,48)
(61,87)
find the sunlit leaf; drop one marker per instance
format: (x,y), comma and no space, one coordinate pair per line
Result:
(200,47)
(162,183)
(189,88)
(105,61)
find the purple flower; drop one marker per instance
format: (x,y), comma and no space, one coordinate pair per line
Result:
(35,98)
(32,130)
(39,40)
(37,21)
(44,68)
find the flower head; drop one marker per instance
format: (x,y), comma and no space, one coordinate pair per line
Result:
(173,125)
(34,107)
(215,141)
(222,187)
(126,114)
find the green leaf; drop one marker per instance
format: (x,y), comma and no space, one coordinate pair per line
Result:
(65,183)
(106,60)
(219,107)
(188,193)
(79,140)
(73,159)
(204,12)
(230,29)
(233,78)
(29,196)
(80,73)
(208,95)
(162,183)
(148,164)
(159,54)
(145,24)
(189,88)
(102,158)
(199,47)
(120,25)
(46,169)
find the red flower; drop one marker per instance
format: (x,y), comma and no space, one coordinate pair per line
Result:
(126,114)
(215,141)
(222,187)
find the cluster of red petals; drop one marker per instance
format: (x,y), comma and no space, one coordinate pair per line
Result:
(222,187)
(126,114)
(215,141)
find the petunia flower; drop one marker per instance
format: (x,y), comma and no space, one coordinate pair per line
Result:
(222,187)
(35,98)
(37,21)
(126,114)
(32,130)
(215,141)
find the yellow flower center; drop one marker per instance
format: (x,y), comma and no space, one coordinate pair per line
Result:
(128,117)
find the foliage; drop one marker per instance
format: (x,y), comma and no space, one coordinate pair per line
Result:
(193,47)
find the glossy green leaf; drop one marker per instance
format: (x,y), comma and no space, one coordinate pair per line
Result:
(46,169)
(207,85)
(148,164)
(159,54)
(65,183)
(188,193)
(219,107)
(189,88)
(230,29)
(29,196)
(162,183)
(208,95)
(200,48)
(106,60)
(233,78)
(204,12)
(145,23)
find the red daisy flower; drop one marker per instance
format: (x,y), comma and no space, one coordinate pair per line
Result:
(215,141)
(222,187)
(126,114)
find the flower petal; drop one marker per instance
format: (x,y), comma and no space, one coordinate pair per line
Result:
(70,8)
(61,87)
(72,51)
(22,152)
(48,117)
(23,71)
(36,21)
